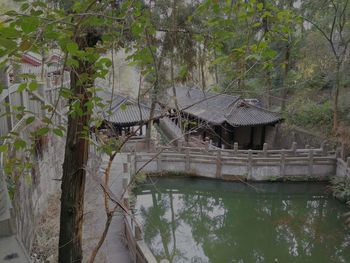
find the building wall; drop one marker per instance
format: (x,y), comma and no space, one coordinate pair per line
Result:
(258,133)
(242,136)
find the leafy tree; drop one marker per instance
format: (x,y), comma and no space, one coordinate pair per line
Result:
(332,23)
(82,31)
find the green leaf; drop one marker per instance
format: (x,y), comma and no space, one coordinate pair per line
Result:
(29,24)
(19,144)
(105,61)
(8,44)
(33,86)
(3,148)
(58,132)
(30,119)
(66,93)
(72,47)
(24,7)
(136,29)
(42,131)
(11,13)
(21,87)
(123,107)
(72,62)
(9,32)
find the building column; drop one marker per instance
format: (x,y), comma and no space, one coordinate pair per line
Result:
(252,133)
(220,136)
(263,135)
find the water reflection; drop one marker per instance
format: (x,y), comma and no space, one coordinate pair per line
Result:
(187,220)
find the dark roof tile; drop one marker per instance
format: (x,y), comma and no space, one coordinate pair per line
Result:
(218,108)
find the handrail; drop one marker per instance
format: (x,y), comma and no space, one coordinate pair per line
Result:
(287,152)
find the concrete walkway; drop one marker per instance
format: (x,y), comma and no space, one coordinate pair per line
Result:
(113,250)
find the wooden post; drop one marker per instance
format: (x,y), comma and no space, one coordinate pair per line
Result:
(294,148)
(187,160)
(125,182)
(283,163)
(159,162)
(250,164)
(135,165)
(138,232)
(125,168)
(324,148)
(218,165)
(179,145)
(311,162)
(235,148)
(265,149)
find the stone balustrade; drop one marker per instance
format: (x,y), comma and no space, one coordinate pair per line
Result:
(256,165)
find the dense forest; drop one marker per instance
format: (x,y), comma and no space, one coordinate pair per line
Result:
(292,55)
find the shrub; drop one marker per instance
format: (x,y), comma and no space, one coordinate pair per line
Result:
(309,114)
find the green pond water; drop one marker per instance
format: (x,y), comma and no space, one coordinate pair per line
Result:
(196,220)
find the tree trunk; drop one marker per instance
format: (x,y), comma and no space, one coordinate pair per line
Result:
(268,80)
(75,160)
(216,70)
(202,61)
(268,88)
(285,75)
(336,99)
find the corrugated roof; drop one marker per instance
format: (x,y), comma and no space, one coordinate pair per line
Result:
(218,108)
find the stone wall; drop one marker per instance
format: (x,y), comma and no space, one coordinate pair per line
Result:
(34,186)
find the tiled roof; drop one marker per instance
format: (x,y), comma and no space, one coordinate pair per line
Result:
(132,114)
(106,97)
(218,108)
(244,114)
(208,106)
